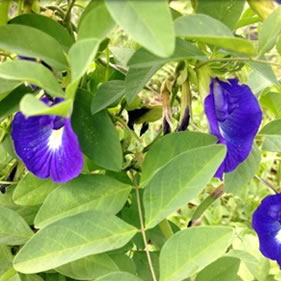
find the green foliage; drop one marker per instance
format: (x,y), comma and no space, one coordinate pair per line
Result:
(203,245)
(146,205)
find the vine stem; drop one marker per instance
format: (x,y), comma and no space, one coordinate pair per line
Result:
(68,12)
(238,59)
(132,133)
(142,227)
(266,183)
(8,182)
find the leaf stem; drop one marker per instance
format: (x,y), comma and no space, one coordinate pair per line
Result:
(238,59)
(143,228)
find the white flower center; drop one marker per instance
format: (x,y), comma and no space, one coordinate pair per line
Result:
(278,236)
(55,139)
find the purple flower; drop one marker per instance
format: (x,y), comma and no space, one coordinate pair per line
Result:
(47,145)
(234,116)
(267,223)
(278,1)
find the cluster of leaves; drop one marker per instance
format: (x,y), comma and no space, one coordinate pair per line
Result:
(132,213)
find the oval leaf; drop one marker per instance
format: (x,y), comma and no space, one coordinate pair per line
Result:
(91,192)
(179,181)
(47,25)
(225,269)
(184,50)
(31,106)
(72,238)
(96,22)
(212,32)
(33,73)
(89,268)
(107,93)
(171,146)
(136,80)
(148,23)
(234,181)
(32,191)
(35,44)
(13,229)
(117,276)
(97,135)
(81,56)
(203,244)
(269,31)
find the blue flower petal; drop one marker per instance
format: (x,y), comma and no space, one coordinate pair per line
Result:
(46,148)
(267,223)
(234,116)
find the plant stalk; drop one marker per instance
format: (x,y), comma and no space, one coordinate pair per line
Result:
(143,228)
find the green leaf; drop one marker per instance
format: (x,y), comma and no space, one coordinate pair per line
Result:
(47,25)
(122,55)
(142,265)
(266,71)
(257,81)
(212,32)
(6,86)
(184,50)
(5,260)
(272,133)
(179,181)
(107,93)
(118,276)
(91,192)
(136,79)
(278,45)
(97,135)
(13,229)
(35,44)
(81,56)
(203,244)
(32,191)
(227,11)
(235,181)
(269,32)
(31,106)
(96,22)
(89,268)
(148,23)
(271,101)
(72,238)
(30,277)
(169,147)
(248,17)
(223,269)
(10,103)
(124,262)
(33,73)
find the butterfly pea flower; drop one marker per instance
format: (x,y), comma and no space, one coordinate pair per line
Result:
(47,145)
(234,116)
(267,224)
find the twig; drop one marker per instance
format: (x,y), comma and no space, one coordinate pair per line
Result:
(265,182)
(238,59)
(131,132)
(68,12)
(8,182)
(142,228)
